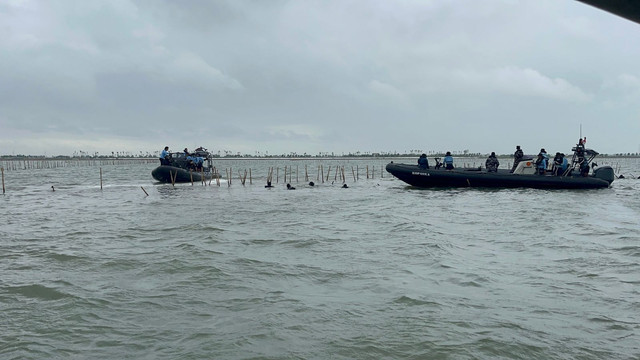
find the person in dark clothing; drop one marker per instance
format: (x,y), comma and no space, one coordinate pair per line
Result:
(517,157)
(423,162)
(492,163)
(584,167)
(579,151)
(557,164)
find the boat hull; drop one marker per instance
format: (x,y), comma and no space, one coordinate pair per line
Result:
(164,173)
(416,176)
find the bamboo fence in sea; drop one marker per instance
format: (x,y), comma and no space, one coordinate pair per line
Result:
(288,174)
(27,164)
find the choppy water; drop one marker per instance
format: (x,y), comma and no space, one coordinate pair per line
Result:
(378,270)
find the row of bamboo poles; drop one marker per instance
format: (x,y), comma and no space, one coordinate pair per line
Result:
(53,164)
(339,174)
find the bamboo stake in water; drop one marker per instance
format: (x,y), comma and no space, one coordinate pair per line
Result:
(145,191)
(306,174)
(328,172)
(2,169)
(354,174)
(100,178)
(250,180)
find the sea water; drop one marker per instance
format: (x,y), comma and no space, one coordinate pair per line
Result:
(378,270)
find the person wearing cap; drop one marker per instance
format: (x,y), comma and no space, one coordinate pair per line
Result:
(164,156)
(448,161)
(517,157)
(542,161)
(423,162)
(492,163)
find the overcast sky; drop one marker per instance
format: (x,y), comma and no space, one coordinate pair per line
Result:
(311,76)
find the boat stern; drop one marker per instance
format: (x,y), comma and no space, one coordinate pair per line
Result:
(605,173)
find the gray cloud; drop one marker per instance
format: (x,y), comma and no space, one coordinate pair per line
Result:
(310,76)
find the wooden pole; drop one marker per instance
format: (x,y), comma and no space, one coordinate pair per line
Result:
(354,174)
(306,174)
(3,190)
(297,180)
(328,172)
(100,178)
(250,180)
(145,191)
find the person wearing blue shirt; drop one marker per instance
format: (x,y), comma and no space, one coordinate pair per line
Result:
(423,162)
(164,156)
(542,161)
(448,161)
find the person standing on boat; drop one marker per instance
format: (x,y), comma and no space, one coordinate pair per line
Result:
(542,161)
(164,156)
(579,152)
(492,163)
(557,162)
(584,167)
(565,164)
(517,157)
(423,162)
(448,161)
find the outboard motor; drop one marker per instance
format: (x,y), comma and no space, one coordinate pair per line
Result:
(605,173)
